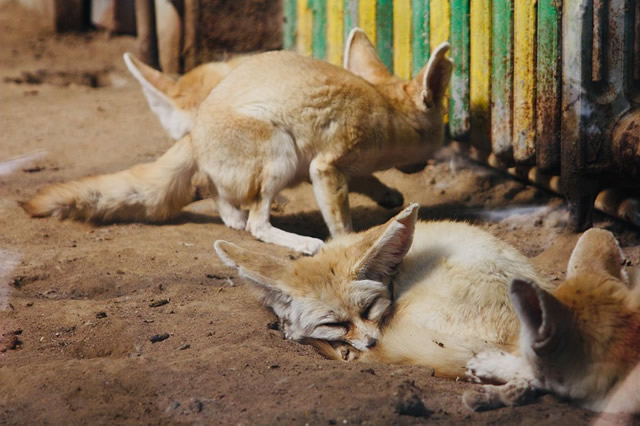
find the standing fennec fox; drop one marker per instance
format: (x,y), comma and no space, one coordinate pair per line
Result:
(176,104)
(579,342)
(428,293)
(279,118)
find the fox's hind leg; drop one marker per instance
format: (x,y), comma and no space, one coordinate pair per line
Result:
(260,227)
(331,189)
(232,216)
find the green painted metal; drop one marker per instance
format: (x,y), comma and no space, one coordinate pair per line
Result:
(384,31)
(502,80)
(350,17)
(289,9)
(459,113)
(420,30)
(548,86)
(319,28)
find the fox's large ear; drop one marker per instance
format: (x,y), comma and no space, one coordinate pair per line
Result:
(597,251)
(545,321)
(361,58)
(434,77)
(391,244)
(157,88)
(262,270)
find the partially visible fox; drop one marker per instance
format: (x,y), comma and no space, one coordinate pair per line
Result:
(406,292)
(277,119)
(579,342)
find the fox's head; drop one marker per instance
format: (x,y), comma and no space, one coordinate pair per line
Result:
(420,99)
(584,338)
(342,294)
(176,102)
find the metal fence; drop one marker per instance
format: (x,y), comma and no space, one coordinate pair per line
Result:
(551,87)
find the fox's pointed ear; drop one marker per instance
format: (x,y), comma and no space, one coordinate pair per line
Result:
(149,78)
(261,270)
(597,251)
(159,89)
(361,58)
(434,77)
(380,262)
(545,321)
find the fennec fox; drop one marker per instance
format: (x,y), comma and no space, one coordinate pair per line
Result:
(277,119)
(428,293)
(579,342)
(176,103)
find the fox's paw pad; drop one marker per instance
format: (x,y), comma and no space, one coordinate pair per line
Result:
(482,399)
(391,199)
(487,367)
(347,352)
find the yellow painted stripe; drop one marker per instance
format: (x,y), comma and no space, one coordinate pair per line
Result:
(524,79)
(335,31)
(402,38)
(480,78)
(367,18)
(440,17)
(305,25)
(440,21)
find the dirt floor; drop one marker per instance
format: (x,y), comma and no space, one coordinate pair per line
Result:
(79,303)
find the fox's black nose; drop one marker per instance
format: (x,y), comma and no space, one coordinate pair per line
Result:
(371,343)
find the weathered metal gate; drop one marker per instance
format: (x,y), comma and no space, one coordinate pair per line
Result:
(545,84)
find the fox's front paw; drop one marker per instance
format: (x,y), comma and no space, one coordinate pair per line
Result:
(347,352)
(482,399)
(488,367)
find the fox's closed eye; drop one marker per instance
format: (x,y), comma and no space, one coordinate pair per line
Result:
(343,324)
(367,311)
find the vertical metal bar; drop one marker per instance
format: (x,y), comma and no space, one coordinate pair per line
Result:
(440,15)
(351,11)
(439,22)
(480,85)
(334,31)
(420,35)
(502,80)
(289,9)
(636,44)
(599,28)
(304,37)
(548,86)
(459,111)
(576,48)
(402,38)
(367,18)
(319,28)
(384,31)
(524,81)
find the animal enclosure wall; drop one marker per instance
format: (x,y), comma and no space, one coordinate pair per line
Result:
(551,87)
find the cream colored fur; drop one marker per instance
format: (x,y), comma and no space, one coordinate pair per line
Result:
(407,292)
(281,118)
(579,342)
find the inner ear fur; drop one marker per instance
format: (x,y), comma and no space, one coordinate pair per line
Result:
(361,58)
(434,77)
(391,244)
(261,269)
(597,251)
(148,77)
(543,316)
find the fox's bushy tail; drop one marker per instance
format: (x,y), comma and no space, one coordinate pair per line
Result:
(151,192)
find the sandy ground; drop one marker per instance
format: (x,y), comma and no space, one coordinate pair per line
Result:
(76,300)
